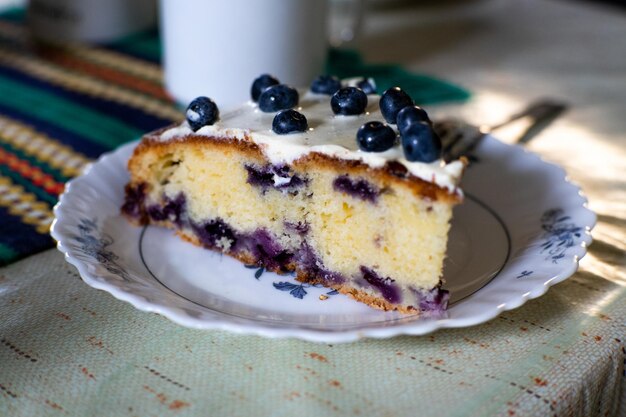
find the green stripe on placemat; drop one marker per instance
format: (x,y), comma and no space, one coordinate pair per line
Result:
(13,14)
(97,127)
(145,44)
(7,254)
(422,88)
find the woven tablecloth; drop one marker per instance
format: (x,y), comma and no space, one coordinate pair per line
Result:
(69,350)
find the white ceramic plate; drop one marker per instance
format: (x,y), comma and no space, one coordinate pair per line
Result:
(522,229)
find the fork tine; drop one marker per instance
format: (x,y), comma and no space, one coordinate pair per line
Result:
(446,131)
(457,138)
(462,147)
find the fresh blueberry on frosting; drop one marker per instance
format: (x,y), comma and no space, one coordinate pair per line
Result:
(410,115)
(421,143)
(278,97)
(375,137)
(289,121)
(349,101)
(202,111)
(325,84)
(367,85)
(392,101)
(260,84)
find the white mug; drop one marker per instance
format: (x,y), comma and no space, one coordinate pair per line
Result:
(217,48)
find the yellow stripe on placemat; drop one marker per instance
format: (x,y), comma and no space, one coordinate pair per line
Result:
(25,205)
(42,147)
(118,61)
(88,85)
(106,58)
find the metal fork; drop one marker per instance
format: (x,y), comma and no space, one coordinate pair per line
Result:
(459,138)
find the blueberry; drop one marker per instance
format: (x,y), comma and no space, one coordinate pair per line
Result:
(348,101)
(357,187)
(260,84)
(392,101)
(202,111)
(278,97)
(375,137)
(325,84)
(421,143)
(410,115)
(367,85)
(289,121)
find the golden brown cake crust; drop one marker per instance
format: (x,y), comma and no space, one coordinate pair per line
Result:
(391,174)
(362,296)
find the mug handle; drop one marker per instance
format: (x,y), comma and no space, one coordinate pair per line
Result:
(345,21)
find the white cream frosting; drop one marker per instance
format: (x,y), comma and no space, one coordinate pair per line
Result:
(327,134)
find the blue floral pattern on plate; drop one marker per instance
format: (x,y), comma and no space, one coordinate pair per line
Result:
(560,234)
(297,290)
(95,244)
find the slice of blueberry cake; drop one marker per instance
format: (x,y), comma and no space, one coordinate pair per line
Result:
(309,181)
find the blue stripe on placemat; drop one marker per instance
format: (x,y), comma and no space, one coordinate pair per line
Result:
(96,126)
(22,238)
(145,45)
(75,141)
(130,115)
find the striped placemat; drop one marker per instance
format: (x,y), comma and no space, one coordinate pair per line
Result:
(62,106)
